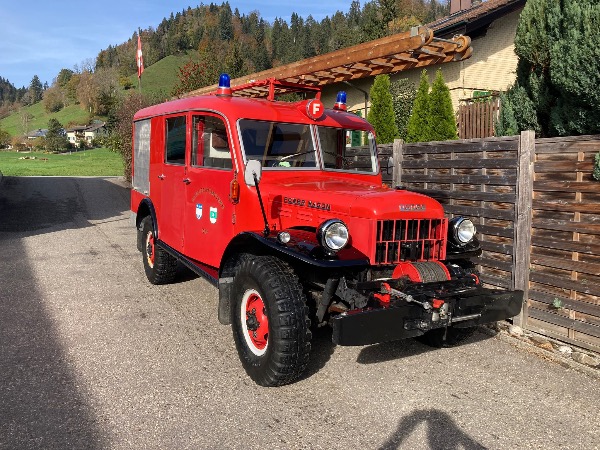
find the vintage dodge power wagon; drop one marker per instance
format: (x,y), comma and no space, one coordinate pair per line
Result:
(281,205)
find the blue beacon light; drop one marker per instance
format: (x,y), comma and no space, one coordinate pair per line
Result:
(224,88)
(340,102)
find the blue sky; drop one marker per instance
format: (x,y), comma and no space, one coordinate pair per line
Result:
(40,37)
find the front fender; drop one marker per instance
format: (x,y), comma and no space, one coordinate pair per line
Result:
(302,248)
(145,208)
(303,253)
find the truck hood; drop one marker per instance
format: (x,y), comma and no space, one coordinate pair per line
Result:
(347,198)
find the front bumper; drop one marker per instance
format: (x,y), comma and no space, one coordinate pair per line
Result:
(405,320)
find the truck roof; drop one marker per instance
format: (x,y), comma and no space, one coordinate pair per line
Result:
(235,108)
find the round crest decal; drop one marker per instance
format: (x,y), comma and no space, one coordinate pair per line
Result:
(314,109)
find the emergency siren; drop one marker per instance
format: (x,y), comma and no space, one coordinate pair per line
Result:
(224,89)
(340,102)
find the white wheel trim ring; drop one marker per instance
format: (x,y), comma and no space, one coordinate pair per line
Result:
(243,304)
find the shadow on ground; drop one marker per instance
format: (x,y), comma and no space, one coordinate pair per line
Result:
(41,402)
(389,351)
(442,431)
(34,205)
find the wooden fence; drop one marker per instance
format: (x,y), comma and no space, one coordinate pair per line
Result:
(476,118)
(537,212)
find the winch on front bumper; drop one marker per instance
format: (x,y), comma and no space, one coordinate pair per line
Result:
(403,310)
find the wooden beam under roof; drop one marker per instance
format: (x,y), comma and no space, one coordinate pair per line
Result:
(402,51)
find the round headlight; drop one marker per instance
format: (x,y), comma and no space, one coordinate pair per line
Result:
(463,230)
(333,235)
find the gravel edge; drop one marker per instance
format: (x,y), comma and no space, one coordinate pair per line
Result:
(530,342)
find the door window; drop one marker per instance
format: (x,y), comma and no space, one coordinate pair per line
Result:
(210,144)
(175,140)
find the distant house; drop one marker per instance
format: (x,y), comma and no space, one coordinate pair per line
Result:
(94,130)
(75,135)
(492,27)
(37,133)
(86,133)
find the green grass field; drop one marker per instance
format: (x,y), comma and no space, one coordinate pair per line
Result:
(159,78)
(95,162)
(74,113)
(157,82)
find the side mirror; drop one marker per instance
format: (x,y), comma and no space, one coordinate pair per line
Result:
(252,167)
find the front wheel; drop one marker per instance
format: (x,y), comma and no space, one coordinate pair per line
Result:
(270,321)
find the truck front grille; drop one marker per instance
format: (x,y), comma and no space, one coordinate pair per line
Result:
(410,240)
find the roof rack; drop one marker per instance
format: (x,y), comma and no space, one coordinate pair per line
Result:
(270,88)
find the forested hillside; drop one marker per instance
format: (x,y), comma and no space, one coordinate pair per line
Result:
(238,43)
(203,42)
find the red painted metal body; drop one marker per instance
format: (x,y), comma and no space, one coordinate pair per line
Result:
(376,263)
(293,198)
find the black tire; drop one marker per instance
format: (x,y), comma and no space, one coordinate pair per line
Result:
(270,321)
(160,267)
(449,337)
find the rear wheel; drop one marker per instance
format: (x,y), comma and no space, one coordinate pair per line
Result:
(160,267)
(270,321)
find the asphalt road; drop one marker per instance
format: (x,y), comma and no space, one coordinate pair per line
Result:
(93,356)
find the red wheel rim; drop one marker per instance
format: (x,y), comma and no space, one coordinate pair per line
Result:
(150,249)
(255,322)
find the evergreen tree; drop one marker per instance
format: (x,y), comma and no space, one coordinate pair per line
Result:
(441,113)
(225,22)
(4,138)
(558,70)
(35,91)
(55,137)
(63,77)
(418,124)
(403,96)
(381,113)
(234,64)
(517,113)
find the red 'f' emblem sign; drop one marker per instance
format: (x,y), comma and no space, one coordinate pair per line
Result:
(314,109)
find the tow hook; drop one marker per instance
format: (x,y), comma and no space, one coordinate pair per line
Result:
(387,291)
(440,312)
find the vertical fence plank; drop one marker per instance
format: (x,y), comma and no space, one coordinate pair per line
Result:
(522,228)
(397,158)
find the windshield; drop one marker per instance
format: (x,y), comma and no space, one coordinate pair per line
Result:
(347,150)
(287,146)
(277,144)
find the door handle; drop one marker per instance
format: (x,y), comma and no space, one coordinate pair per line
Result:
(187,180)
(161,177)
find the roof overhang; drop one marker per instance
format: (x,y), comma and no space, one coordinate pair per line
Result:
(412,49)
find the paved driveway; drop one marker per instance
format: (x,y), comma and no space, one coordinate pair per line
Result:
(93,356)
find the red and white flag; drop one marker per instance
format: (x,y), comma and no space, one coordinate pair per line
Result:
(140,58)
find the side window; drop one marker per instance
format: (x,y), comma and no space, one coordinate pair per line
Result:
(210,143)
(175,140)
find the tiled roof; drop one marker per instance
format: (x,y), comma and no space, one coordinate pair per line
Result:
(37,133)
(94,126)
(80,128)
(476,12)
(77,128)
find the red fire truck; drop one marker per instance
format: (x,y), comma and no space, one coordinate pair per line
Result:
(274,204)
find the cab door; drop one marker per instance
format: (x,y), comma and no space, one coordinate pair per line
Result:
(173,179)
(209,214)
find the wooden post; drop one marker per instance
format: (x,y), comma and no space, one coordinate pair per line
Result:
(523,218)
(397,158)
